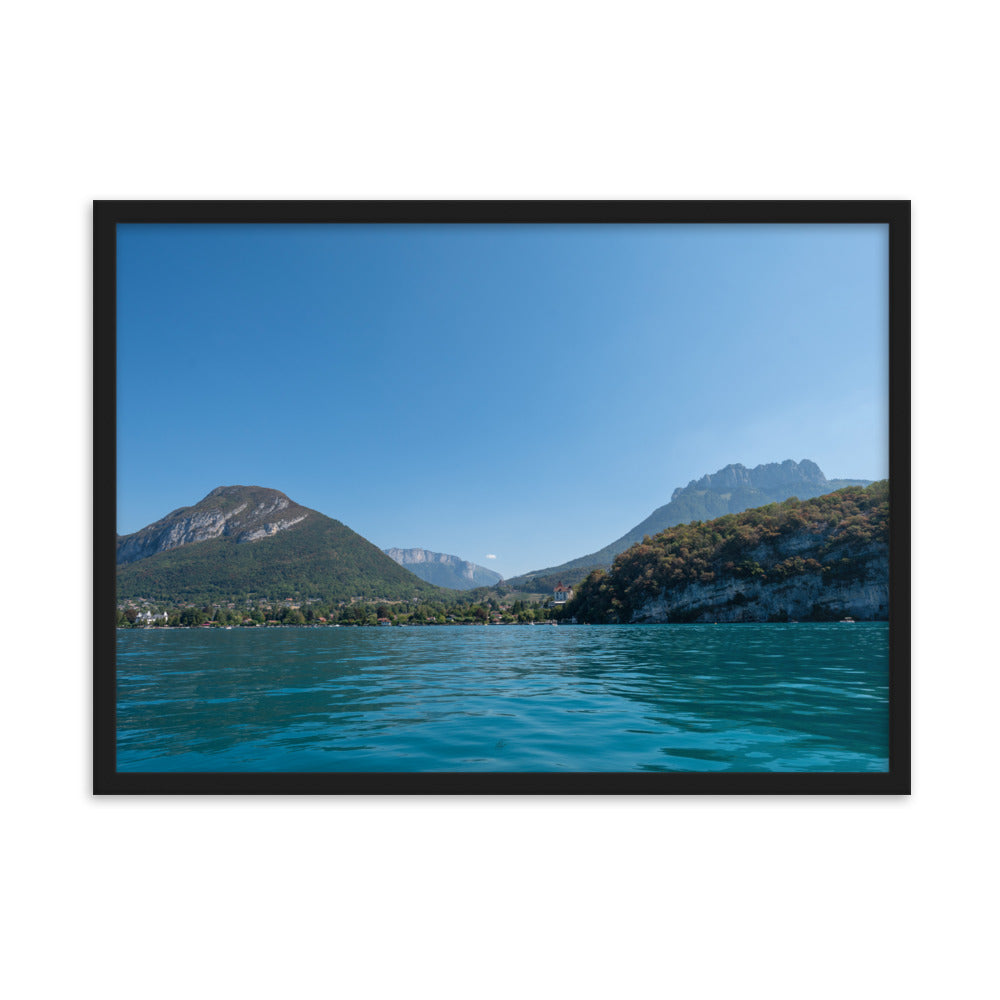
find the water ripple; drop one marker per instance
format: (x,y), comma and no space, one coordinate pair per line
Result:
(586,698)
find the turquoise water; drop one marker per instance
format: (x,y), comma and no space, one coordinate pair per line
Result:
(796,697)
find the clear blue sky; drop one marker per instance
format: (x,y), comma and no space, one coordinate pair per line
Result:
(525,392)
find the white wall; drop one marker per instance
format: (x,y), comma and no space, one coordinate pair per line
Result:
(495,898)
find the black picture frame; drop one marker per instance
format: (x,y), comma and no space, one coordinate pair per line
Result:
(109,214)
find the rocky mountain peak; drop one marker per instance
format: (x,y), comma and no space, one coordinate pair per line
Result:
(769,476)
(246,513)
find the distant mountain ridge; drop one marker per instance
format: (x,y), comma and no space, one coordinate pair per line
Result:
(730,490)
(444,570)
(243,543)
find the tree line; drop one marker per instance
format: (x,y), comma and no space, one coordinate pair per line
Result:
(360,613)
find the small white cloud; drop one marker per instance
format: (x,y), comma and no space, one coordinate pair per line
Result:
(489,555)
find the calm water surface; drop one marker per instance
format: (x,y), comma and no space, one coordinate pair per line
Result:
(796,697)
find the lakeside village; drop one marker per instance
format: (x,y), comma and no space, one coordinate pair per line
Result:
(484,608)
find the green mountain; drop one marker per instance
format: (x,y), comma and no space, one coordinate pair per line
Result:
(819,559)
(728,491)
(245,543)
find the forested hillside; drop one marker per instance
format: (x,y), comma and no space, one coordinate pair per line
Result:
(813,559)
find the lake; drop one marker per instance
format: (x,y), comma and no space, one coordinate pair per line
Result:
(774,697)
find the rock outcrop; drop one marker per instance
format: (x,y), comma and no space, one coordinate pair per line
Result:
(804,597)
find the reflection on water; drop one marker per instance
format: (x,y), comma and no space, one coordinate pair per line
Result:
(797,697)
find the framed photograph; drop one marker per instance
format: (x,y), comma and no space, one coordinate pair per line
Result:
(502,497)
